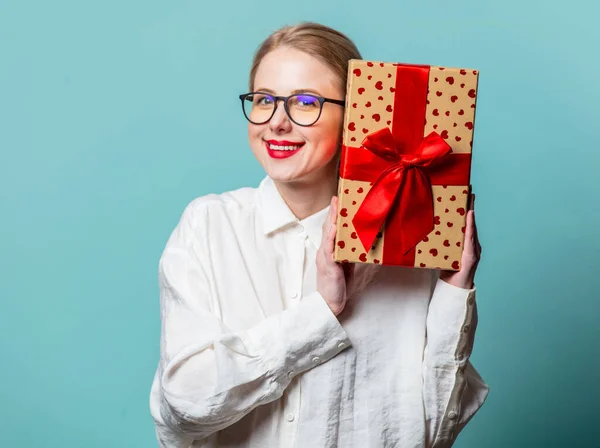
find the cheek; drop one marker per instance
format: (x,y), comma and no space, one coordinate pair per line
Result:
(336,124)
(326,141)
(251,130)
(331,126)
(254,134)
(331,132)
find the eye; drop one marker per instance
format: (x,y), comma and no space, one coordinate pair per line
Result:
(261,99)
(306,101)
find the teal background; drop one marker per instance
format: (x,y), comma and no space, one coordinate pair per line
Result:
(115,114)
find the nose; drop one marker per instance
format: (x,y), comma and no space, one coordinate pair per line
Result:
(280,122)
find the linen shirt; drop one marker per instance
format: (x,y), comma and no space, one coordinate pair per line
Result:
(252,356)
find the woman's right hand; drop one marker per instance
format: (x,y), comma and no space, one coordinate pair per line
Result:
(332,277)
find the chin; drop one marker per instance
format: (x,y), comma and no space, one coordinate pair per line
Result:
(283,176)
(283,170)
(317,175)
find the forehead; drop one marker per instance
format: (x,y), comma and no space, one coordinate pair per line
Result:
(285,69)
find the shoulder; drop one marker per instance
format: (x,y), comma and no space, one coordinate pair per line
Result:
(211,206)
(208,216)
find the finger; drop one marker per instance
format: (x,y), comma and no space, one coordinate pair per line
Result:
(475,231)
(333,209)
(331,230)
(470,255)
(476,244)
(470,228)
(327,221)
(472,207)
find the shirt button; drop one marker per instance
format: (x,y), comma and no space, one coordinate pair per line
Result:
(294,294)
(452,415)
(466,328)
(341,345)
(316,360)
(290,374)
(290,417)
(471,300)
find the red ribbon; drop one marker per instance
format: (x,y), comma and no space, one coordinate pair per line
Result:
(403,165)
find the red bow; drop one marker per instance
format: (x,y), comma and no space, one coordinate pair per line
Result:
(402,189)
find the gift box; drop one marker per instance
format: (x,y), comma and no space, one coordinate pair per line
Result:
(405,164)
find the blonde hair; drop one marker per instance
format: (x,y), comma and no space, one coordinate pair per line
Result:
(329,46)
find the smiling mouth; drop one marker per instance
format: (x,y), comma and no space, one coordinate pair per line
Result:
(282,149)
(283,146)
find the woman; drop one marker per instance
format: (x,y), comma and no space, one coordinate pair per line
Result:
(266,341)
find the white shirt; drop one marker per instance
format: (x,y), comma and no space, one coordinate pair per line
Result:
(252,356)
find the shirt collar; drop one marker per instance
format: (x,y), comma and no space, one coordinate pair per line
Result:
(277,215)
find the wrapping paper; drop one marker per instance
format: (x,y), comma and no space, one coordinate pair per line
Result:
(405,165)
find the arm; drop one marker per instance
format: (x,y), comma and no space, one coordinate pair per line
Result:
(209,377)
(453,391)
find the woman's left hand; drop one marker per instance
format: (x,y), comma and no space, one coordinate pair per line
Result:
(470,257)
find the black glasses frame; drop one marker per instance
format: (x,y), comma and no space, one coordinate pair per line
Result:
(285,100)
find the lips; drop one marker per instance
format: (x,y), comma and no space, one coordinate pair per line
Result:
(281,149)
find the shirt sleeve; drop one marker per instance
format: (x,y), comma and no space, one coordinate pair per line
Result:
(210,377)
(453,390)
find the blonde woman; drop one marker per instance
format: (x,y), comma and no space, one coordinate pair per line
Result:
(266,341)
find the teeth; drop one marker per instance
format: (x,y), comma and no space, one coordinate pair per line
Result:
(283,148)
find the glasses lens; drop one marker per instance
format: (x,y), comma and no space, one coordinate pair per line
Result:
(258,107)
(304,109)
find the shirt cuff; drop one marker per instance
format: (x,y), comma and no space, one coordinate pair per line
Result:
(300,339)
(450,323)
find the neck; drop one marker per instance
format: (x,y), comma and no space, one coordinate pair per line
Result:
(307,197)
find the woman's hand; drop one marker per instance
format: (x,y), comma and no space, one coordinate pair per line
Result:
(470,257)
(332,277)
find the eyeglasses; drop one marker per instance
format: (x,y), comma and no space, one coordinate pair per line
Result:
(304,109)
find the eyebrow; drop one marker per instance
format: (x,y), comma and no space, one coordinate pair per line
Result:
(294,92)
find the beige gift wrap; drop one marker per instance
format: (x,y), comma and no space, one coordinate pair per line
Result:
(405,165)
